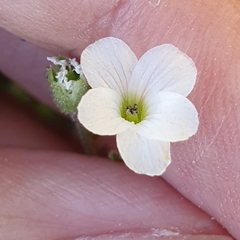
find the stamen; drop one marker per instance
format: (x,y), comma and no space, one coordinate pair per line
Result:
(132,110)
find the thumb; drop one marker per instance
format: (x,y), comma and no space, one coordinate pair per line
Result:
(208,32)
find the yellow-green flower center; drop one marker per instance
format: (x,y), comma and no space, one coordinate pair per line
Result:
(132,110)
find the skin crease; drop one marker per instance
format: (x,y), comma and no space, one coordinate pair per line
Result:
(204,169)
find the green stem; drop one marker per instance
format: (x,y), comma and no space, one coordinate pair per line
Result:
(84,135)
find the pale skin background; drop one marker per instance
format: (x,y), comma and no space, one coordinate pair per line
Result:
(49,192)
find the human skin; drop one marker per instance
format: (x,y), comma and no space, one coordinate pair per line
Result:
(48,193)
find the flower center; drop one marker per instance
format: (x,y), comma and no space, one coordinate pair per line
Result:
(133,111)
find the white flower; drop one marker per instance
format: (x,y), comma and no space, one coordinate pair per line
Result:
(142,101)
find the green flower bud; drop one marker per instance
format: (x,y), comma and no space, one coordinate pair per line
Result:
(67,83)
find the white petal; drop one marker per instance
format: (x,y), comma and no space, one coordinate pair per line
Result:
(143,155)
(98,111)
(171,117)
(108,63)
(165,68)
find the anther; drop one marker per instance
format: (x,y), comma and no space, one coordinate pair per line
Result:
(132,110)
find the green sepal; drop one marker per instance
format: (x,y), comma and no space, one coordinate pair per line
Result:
(51,75)
(115,156)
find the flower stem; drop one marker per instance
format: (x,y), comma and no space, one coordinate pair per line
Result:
(84,135)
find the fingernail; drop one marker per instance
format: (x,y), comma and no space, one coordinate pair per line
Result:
(134,236)
(203,237)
